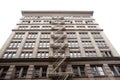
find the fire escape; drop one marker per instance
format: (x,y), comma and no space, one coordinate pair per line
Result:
(58,47)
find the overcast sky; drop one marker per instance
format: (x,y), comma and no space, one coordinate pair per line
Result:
(106,13)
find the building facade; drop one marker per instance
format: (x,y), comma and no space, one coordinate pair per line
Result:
(58,45)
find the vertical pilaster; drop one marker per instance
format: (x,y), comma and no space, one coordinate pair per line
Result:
(108,72)
(89,72)
(21,45)
(51,54)
(30,72)
(36,46)
(80,44)
(95,46)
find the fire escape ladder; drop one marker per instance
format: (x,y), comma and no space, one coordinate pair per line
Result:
(58,62)
(64,76)
(59,49)
(58,46)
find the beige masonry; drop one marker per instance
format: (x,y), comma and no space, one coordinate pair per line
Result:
(61,51)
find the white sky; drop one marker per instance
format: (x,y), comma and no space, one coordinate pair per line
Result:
(106,13)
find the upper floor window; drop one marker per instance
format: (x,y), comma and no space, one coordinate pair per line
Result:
(106,53)
(32,35)
(69,27)
(44,44)
(96,35)
(35,27)
(84,35)
(101,43)
(26,54)
(9,54)
(25,22)
(78,22)
(97,70)
(81,27)
(75,54)
(90,53)
(37,21)
(19,35)
(42,54)
(92,27)
(14,44)
(46,21)
(73,44)
(87,44)
(45,35)
(71,35)
(23,27)
(46,27)
(29,44)
(3,71)
(68,22)
(89,22)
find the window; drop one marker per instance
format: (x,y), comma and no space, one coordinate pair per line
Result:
(59,53)
(75,71)
(37,21)
(106,53)
(82,70)
(42,54)
(14,44)
(19,35)
(71,35)
(32,35)
(25,22)
(90,53)
(68,22)
(23,27)
(97,70)
(69,27)
(92,27)
(9,55)
(20,72)
(40,71)
(96,35)
(29,44)
(115,69)
(45,35)
(81,27)
(79,70)
(78,22)
(101,44)
(37,72)
(118,68)
(75,54)
(84,35)
(3,72)
(44,71)
(26,54)
(89,22)
(112,70)
(46,27)
(87,44)
(35,27)
(73,44)
(44,44)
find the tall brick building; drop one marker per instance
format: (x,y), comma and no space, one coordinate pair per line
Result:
(58,45)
